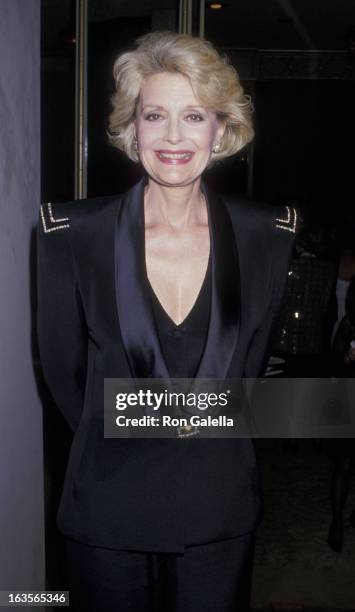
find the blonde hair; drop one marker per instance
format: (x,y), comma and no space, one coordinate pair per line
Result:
(214,80)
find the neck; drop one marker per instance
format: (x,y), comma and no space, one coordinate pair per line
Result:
(176,207)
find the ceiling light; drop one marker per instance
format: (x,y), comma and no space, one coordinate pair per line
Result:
(215,6)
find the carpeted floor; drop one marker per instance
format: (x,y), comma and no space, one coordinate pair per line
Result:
(294,567)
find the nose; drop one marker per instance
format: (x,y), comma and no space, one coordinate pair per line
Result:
(173,131)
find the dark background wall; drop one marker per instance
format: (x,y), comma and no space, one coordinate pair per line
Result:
(304,144)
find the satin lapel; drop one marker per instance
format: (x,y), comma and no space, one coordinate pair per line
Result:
(138,331)
(136,319)
(224,322)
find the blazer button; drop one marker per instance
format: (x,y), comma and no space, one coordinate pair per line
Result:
(176,333)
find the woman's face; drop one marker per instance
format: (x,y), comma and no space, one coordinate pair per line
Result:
(175,132)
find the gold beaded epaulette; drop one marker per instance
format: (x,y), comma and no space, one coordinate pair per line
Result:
(288,223)
(50,223)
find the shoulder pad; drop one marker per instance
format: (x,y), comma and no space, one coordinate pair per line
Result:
(49,221)
(288,221)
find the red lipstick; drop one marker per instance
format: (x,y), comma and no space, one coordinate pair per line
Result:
(167,156)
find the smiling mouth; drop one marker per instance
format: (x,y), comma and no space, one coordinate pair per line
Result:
(175,155)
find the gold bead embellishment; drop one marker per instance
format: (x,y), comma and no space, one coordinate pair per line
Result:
(187,431)
(49,222)
(290,222)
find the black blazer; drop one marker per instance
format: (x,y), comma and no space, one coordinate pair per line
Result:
(94,321)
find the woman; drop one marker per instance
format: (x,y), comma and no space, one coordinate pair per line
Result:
(166,279)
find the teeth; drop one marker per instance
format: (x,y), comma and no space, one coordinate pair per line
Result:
(175,155)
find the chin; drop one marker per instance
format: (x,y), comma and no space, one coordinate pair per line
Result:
(174,175)
(176,178)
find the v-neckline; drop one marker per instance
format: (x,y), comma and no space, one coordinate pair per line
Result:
(134,307)
(187,317)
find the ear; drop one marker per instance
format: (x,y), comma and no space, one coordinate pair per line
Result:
(134,129)
(221,129)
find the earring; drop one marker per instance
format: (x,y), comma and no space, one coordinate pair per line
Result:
(216,147)
(135,143)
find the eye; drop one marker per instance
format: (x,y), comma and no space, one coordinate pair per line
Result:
(196,117)
(152,116)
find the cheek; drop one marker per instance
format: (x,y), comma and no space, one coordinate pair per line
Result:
(146,135)
(144,140)
(206,138)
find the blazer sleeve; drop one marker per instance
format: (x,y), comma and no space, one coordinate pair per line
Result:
(280,245)
(61,327)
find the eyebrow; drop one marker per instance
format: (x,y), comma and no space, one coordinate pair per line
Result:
(157,106)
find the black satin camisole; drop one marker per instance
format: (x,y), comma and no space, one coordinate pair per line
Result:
(183,344)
